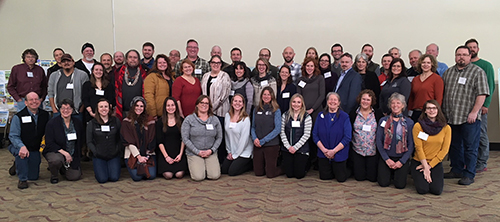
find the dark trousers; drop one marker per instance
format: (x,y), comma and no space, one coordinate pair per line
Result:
(422,186)
(329,169)
(237,166)
(265,160)
(416,114)
(222,152)
(364,167)
(294,165)
(464,147)
(107,170)
(385,173)
(56,164)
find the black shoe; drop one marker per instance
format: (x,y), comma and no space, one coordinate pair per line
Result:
(85,159)
(22,184)
(54,180)
(466,181)
(451,175)
(12,169)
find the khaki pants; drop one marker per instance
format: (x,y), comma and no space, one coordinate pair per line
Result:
(201,168)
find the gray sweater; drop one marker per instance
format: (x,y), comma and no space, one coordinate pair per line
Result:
(201,135)
(79,77)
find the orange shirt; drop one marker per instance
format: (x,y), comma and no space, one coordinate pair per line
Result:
(431,88)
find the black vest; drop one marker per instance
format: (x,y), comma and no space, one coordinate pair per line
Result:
(31,133)
(264,124)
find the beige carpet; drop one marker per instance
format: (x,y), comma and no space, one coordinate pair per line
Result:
(243,198)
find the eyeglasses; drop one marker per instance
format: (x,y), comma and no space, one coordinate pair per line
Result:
(204,103)
(461,55)
(66,109)
(431,108)
(216,63)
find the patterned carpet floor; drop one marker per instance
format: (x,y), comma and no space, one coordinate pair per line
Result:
(243,198)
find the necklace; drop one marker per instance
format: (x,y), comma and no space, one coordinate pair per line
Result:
(131,80)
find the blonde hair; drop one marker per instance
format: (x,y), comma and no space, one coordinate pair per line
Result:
(302,110)
(243,112)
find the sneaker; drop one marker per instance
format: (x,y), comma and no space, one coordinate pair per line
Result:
(22,184)
(481,170)
(12,169)
(451,175)
(466,181)
(54,180)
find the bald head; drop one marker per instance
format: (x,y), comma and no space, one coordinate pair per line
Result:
(288,55)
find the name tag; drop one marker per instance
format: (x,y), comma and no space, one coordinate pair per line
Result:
(30,74)
(395,85)
(322,116)
(423,136)
(232,125)
(462,80)
(232,92)
(383,83)
(71,136)
(264,83)
(104,128)
(26,119)
(410,78)
(327,75)
(295,124)
(286,95)
(259,113)
(410,112)
(302,84)
(268,113)
(210,127)
(99,92)
(213,80)
(197,71)
(382,124)
(69,86)
(367,128)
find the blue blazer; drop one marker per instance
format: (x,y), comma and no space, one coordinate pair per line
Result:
(349,89)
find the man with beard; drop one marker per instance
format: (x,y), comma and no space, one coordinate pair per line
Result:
(484,142)
(85,64)
(414,55)
(349,84)
(66,83)
(265,53)
(295,72)
(57,53)
(394,52)
(107,62)
(236,56)
(148,50)
(465,89)
(129,80)
(201,65)
(371,66)
(433,49)
(384,70)
(337,50)
(174,55)
(119,59)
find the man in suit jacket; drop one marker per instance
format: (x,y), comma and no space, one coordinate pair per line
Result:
(349,84)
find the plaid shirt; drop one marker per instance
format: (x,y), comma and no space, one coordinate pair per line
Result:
(461,87)
(199,64)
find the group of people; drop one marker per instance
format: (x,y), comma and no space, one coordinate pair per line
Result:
(170,117)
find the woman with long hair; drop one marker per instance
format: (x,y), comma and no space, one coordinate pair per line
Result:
(396,83)
(158,85)
(262,80)
(241,84)
(186,89)
(286,88)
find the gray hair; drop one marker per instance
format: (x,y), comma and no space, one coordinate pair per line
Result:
(399,51)
(359,56)
(415,50)
(399,97)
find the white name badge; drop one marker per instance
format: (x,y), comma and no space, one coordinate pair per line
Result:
(327,75)
(197,71)
(99,92)
(232,92)
(259,113)
(213,80)
(72,136)
(295,124)
(264,83)
(104,128)
(462,80)
(410,78)
(302,84)
(26,119)
(382,124)
(286,95)
(69,86)
(30,74)
(210,127)
(383,83)
(322,116)
(423,136)
(232,125)
(367,128)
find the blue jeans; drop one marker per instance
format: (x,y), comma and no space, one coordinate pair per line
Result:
(484,144)
(133,172)
(107,170)
(29,167)
(463,148)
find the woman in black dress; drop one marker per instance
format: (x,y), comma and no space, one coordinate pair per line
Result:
(171,158)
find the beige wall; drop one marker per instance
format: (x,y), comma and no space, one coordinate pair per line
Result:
(250,25)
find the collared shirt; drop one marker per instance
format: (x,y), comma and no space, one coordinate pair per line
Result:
(461,87)
(442,67)
(15,129)
(295,72)
(201,67)
(24,80)
(342,75)
(363,140)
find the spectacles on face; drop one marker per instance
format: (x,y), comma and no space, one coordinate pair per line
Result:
(216,63)
(461,55)
(323,60)
(66,109)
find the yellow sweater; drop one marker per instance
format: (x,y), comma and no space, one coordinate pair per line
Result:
(435,148)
